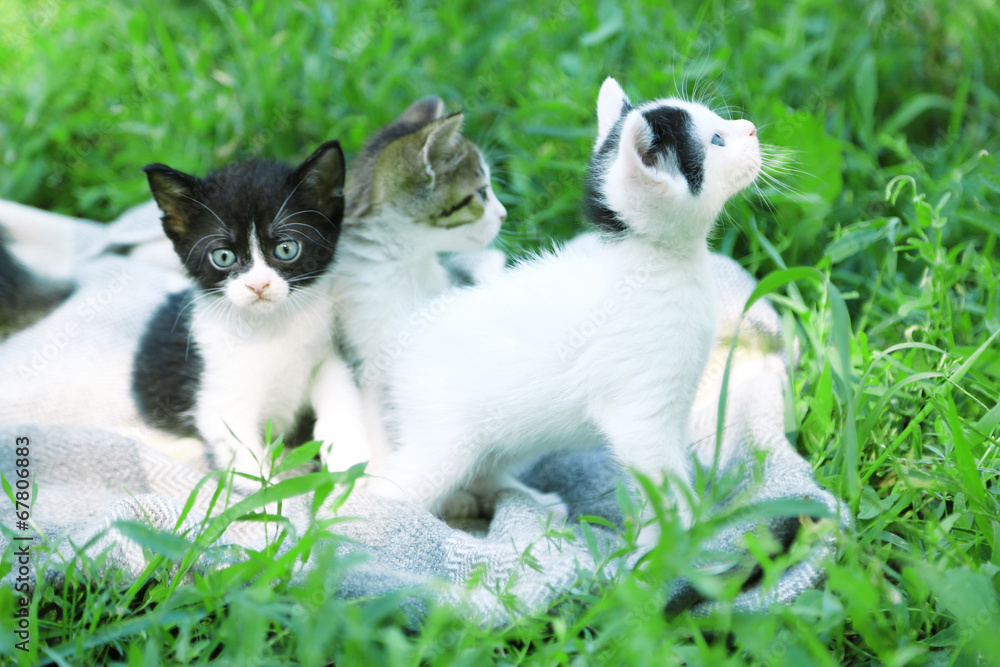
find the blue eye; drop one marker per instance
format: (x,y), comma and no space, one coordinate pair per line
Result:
(717,140)
(223,258)
(482,192)
(286,251)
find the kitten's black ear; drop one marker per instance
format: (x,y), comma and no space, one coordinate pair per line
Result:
(173,191)
(422,111)
(637,156)
(321,179)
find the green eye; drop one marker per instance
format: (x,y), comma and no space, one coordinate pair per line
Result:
(286,251)
(483,190)
(223,258)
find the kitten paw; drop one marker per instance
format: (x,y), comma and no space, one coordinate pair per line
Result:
(340,459)
(552,503)
(486,489)
(460,505)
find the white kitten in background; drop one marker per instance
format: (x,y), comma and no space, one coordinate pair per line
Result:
(607,341)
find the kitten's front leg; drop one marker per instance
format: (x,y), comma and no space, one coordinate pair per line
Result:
(340,416)
(232,432)
(425,468)
(653,445)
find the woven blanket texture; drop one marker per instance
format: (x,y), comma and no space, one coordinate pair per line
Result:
(65,386)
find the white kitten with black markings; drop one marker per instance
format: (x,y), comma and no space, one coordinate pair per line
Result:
(417,189)
(584,343)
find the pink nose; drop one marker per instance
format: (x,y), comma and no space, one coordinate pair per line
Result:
(258,289)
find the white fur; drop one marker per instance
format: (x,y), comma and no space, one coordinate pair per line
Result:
(388,276)
(610,100)
(260,352)
(260,288)
(604,339)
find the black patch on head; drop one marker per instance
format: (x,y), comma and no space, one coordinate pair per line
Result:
(593,203)
(166,372)
(263,198)
(675,141)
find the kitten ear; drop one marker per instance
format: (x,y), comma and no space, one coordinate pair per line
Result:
(422,111)
(321,179)
(635,153)
(611,104)
(438,137)
(413,161)
(174,191)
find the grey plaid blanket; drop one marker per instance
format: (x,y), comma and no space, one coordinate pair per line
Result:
(65,387)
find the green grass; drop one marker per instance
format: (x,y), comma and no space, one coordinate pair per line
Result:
(892,111)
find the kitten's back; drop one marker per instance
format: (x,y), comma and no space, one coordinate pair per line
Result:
(167,399)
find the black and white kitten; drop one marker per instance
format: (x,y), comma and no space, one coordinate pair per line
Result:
(240,346)
(607,341)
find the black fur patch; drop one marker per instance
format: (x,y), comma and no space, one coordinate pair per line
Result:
(465,202)
(24,296)
(167,369)
(674,139)
(222,208)
(593,203)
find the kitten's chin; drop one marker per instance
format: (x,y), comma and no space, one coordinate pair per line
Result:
(251,296)
(258,305)
(481,234)
(265,305)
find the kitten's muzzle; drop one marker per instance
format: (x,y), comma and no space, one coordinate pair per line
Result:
(746,127)
(258,289)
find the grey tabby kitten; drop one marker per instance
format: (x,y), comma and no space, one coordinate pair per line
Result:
(417,189)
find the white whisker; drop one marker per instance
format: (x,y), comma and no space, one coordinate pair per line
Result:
(207,208)
(288,217)
(200,241)
(278,214)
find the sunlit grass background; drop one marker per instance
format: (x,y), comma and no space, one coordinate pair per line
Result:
(890,110)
